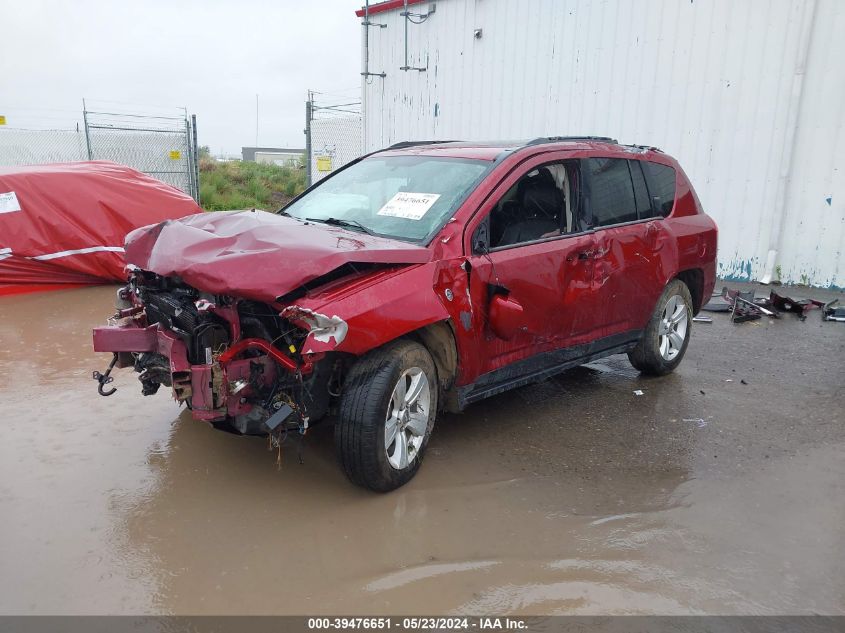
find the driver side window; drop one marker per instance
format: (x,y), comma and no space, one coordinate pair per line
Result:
(540,205)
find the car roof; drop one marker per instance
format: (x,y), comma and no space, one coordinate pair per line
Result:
(493,150)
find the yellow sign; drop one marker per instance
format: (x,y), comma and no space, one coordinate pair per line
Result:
(2,120)
(324,163)
(175,154)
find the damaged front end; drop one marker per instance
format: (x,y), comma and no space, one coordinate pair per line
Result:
(237,363)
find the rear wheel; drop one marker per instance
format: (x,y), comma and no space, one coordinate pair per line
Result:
(387,413)
(665,340)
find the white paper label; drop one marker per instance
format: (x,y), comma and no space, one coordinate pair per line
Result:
(411,206)
(9,202)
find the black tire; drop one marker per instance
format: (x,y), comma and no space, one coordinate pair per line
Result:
(647,356)
(360,429)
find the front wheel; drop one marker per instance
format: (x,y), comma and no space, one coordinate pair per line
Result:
(386,416)
(665,340)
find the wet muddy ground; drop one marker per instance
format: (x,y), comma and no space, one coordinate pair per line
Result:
(703,495)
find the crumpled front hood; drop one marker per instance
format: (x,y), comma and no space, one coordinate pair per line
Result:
(257,255)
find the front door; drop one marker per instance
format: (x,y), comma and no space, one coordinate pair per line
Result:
(532,268)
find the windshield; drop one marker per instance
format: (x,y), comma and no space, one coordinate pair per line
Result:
(407,197)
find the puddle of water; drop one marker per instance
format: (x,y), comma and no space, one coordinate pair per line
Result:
(571,496)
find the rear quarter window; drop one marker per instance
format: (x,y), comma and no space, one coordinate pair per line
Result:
(661,185)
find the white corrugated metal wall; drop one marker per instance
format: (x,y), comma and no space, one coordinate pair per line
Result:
(749,96)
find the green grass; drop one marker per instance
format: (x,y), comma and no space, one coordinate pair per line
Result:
(239,185)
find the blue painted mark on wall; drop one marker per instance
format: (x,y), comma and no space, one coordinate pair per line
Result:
(829,200)
(436,109)
(737,269)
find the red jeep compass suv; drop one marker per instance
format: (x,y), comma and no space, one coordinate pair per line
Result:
(416,279)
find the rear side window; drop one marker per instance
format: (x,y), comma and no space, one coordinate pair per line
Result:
(611,192)
(644,209)
(661,185)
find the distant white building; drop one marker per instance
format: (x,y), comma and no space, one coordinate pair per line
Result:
(273,155)
(749,96)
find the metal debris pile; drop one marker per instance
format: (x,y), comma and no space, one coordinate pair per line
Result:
(745,306)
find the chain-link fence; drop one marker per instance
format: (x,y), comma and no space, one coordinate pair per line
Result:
(332,133)
(32,147)
(161,145)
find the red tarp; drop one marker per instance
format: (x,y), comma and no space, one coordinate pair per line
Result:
(64,224)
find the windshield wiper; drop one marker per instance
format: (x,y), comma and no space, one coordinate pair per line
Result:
(343,223)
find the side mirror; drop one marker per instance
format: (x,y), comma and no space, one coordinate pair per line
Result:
(506,317)
(481,238)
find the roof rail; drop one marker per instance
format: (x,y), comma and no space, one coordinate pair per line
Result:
(646,148)
(557,139)
(404,144)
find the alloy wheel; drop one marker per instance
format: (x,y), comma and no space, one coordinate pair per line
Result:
(672,331)
(407,418)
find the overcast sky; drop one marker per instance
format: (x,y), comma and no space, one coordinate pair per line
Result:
(211,56)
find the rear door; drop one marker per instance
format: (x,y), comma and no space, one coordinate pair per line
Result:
(626,272)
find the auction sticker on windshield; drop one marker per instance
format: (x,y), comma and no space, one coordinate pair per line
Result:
(411,206)
(9,202)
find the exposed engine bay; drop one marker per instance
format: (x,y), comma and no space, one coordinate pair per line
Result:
(235,363)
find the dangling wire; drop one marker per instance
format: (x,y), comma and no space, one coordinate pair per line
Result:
(492,266)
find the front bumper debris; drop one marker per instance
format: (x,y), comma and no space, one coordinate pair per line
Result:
(106,378)
(214,390)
